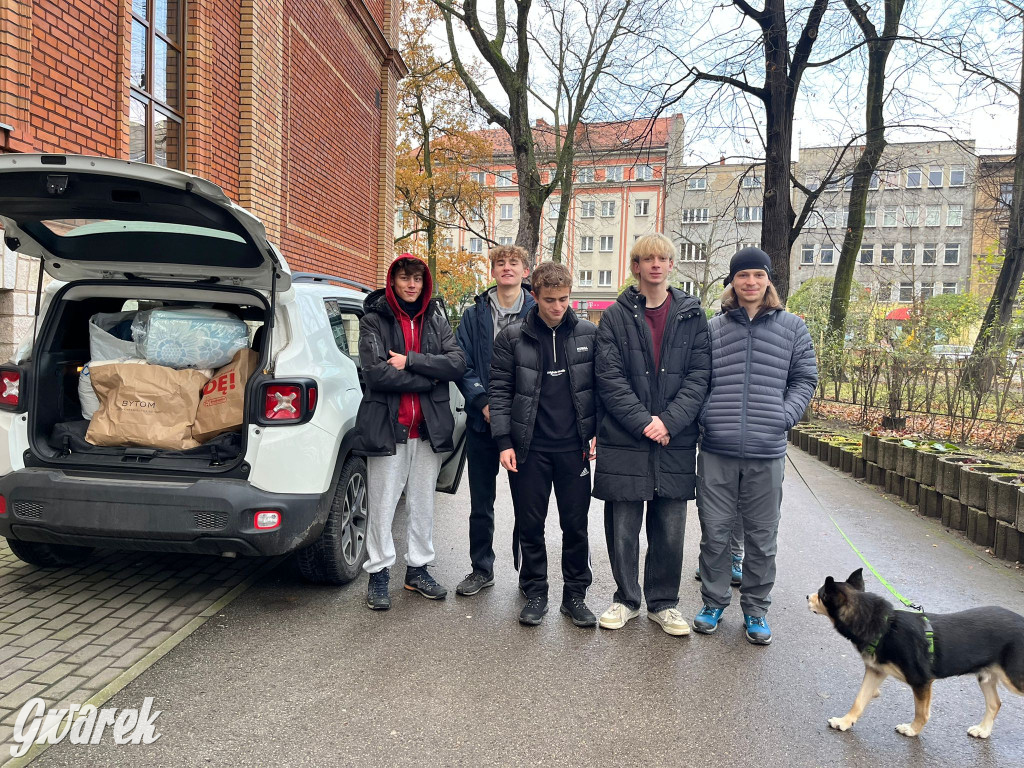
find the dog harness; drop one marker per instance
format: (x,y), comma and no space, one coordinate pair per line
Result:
(929,635)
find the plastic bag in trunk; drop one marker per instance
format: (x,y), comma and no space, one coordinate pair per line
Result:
(189,337)
(110,336)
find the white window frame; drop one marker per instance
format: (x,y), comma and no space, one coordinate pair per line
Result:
(693,252)
(867,250)
(554,208)
(947,250)
(480,177)
(586,278)
(749,213)
(870,215)
(587,244)
(807,253)
(695,216)
(889,216)
(927,290)
(476,245)
(698,184)
(613,173)
(501,180)
(607,209)
(642,207)
(932,215)
(904,250)
(930,248)
(914,172)
(950,287)
(608,240)
(506,207)
(961,170)
(587,209)
(601,281)
(585,175)
(887,255)
(911,215)
(506,240)
(906,292)
(644,172)
(955,215)
(750,181)
(827,249)
(932,170)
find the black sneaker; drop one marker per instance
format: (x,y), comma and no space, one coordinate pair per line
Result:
(473,583)
(574,607)
(419,580)
(533,612)
(377,596)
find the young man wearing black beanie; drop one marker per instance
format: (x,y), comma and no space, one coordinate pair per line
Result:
(744,422)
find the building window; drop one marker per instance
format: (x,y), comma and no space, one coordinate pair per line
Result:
(829,218)
(812,183)
(954,215)
(587,209)
(888,254)
(504,241)
(913,178)
(928,255)
(604,278)
(749,213)
(586,278)
(693,251)
(832,185)
(1006,194)
(607,208)
(642,207)
(503,179)
(927,290)
(697,185)
(949,287)
(907,254)
(695,216)
(478,176)
(867,254)
(848,183)
(549,242)
(885,291)
(807,254)
(910,215)
(607,242)
(873,182)
(952,255)
(906,291)
(889,216)
(932,215)
(687,286)
(587,244)
(827,254)
(156,103)
(934,176)
(644,173)
(476,245)
(554,209)
(613,173)
(751,182)
(506,211)
(448,241)
(869,216)
(585,175)
(477,212)
(957,176)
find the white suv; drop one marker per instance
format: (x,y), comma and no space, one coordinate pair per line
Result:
(117,235)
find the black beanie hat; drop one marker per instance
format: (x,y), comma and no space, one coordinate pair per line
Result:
(749,258)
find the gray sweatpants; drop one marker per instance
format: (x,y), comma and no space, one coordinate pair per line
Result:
(754,487)
(412,469)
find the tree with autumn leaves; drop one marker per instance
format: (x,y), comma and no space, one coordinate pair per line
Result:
(437,148)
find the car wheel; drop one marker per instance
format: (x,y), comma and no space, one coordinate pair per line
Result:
(48,555)
(336,557)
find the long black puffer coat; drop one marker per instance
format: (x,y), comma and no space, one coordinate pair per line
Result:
(427,372)
(516,370)
(631,467)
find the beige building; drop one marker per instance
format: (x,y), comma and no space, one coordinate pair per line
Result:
(993,194)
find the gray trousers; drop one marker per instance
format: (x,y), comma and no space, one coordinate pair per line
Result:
(754,488)
(413,469)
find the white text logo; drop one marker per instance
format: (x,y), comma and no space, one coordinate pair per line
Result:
(83,725)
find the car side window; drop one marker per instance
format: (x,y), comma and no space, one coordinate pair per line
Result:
(345,327)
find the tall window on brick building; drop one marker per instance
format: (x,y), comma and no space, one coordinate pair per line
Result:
(156,119)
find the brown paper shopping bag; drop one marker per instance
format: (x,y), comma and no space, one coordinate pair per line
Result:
(149,406)
(222,408)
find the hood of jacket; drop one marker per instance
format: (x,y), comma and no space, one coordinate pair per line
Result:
(385,297)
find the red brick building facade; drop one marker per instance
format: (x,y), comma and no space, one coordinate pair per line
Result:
(289,106)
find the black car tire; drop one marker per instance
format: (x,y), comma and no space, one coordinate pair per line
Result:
(337,556)
(48,555)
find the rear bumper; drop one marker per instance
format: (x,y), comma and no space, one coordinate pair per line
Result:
(207,516)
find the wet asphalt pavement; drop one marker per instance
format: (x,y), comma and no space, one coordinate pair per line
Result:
(291,674)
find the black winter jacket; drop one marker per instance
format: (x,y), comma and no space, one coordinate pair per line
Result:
(427,372)
(763,376)
(476,337)
(516,371)
(631,467)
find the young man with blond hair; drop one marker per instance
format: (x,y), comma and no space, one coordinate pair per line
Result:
(506,302)
(543,417)
(652,369)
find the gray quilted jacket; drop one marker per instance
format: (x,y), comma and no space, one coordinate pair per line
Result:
(763,374)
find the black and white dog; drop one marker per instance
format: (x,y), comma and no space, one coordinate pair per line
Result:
(987,642)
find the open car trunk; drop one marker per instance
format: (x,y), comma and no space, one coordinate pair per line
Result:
(57,425)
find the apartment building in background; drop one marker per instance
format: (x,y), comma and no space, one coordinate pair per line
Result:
(288,106)
(918,232)
(993,194)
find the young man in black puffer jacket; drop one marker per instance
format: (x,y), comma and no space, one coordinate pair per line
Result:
(543,417)
(653,366)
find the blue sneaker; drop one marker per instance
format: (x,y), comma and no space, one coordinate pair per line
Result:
(758,631)
(737,570)
(707,620)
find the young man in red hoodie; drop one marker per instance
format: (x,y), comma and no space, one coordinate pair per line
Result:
(408,356)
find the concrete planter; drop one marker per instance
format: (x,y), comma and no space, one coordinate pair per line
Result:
(825,447)
(954,514)
(925,462)
(847,453)
(910,490)
(887,448)
(875,474)
(981,528)
(1009,542)
(929,501)
(859,467)
(1003,490)
(869,446)
(894,483)
(905,456)
(1020,510)
(947,473)
(974,482)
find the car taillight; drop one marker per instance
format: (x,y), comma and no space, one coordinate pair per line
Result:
(10,388)
(311,399)
(3,506)
(283,402)
(267,520)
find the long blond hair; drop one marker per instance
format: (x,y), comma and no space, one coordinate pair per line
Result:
(771,299)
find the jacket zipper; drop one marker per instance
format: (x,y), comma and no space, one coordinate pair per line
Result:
(746,391)
(415,397)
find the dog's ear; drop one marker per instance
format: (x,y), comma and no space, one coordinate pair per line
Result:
(830,583)
(856,580)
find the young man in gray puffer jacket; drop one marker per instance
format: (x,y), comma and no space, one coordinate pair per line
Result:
(763,374)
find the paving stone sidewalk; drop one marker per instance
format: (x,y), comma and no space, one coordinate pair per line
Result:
(79,634)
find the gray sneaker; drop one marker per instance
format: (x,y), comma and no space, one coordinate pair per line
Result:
(473,583)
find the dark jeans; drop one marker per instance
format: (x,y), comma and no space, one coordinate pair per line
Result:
(531,490)
(666,526)
(482,457)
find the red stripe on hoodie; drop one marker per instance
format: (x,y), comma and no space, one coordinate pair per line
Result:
(410,414)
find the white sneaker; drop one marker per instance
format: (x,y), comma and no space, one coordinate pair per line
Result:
(617,615)
(671,621)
